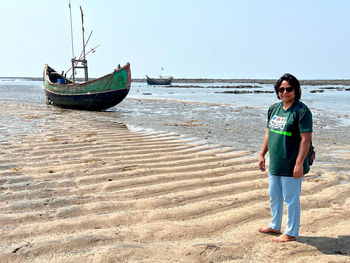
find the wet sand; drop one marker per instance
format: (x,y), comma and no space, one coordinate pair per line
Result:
(79,189)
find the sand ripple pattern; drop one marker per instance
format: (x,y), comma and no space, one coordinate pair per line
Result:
(82,190)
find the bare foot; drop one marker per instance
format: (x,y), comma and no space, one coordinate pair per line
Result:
(268,230)
(284,238)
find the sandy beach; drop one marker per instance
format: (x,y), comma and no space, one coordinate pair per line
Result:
(77,189)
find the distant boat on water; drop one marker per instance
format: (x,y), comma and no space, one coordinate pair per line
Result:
(97,94)
(159,81)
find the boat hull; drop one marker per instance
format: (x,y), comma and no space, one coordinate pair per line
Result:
(93,102)
(98,94)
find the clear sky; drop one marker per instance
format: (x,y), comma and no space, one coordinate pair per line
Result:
(188,38)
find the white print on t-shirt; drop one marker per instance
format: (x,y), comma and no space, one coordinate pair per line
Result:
(277,123)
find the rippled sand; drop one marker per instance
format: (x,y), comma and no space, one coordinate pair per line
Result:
(77,189)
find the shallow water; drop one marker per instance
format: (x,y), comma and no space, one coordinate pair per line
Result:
(331,100)
(324,101)
(146,102)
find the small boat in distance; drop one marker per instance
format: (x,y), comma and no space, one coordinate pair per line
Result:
(97,94)
(159,81)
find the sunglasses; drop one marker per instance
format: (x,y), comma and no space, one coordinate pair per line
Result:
(281,90)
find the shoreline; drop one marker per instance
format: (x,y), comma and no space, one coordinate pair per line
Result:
(306,82)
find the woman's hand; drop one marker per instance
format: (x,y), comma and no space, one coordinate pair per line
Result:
(298,171)
(262,163)
(263,151)
(303,150)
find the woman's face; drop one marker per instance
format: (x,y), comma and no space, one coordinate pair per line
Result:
(286,92)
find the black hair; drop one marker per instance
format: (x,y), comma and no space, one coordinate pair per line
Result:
(293,81)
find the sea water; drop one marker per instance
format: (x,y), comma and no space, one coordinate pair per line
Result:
(334,100)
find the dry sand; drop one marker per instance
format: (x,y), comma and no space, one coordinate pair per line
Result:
(86,191)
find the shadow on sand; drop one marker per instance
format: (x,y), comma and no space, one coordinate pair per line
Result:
(328,245)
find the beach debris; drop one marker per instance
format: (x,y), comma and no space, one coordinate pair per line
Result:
(31,117)
(16,249)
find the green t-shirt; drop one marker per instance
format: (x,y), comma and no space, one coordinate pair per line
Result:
(285,127)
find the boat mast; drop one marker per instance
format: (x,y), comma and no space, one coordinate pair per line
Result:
(71,29)
(82,59)
(84,62)
(71,36)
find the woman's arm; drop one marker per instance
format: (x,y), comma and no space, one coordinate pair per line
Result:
(303,150)
(263,151)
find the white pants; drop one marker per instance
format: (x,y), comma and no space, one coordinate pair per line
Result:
(287,189)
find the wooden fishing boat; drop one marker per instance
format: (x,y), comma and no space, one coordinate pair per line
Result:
(97,94)
(159,81)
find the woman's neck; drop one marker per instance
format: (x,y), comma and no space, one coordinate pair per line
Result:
(286,105)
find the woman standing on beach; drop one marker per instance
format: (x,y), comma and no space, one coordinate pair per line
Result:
(287,139)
